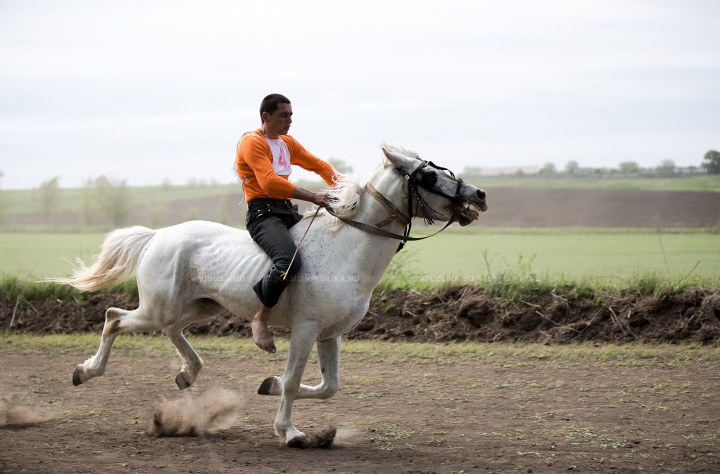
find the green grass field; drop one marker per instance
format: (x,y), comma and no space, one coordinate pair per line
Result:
(606,256)
(34,255)
(572,254)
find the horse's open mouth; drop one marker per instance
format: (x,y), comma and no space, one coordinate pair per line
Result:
(465,212)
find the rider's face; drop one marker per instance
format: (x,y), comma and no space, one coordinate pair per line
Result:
(279,122)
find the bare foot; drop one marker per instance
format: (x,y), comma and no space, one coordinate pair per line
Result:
(261,334)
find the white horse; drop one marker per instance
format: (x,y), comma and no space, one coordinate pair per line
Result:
(196,270)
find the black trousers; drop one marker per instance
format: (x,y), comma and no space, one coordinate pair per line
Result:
(268,221)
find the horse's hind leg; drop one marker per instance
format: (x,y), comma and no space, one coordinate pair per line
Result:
(198,310)
(192,363)
(329,362)
(117,321)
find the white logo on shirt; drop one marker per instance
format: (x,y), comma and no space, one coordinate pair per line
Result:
(281,156)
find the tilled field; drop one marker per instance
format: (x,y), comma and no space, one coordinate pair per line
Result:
(509,207)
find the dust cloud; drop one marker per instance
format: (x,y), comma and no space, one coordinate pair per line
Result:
(15,413)
(214,410)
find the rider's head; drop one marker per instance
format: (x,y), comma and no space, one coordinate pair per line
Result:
(275,122)
(270,104)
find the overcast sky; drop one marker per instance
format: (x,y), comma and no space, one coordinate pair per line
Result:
(144,91)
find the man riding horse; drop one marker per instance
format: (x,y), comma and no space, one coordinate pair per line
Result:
(263,162)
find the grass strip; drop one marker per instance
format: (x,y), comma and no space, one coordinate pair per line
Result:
(502,355)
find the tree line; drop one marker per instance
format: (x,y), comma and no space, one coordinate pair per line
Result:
(710,163)
(98,197)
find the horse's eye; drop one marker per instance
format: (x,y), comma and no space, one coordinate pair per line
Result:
(429,179)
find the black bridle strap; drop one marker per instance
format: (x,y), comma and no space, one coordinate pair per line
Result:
(384,233)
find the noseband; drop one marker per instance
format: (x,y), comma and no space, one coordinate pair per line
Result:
(427,180)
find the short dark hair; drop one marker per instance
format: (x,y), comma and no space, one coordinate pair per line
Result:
(270,103)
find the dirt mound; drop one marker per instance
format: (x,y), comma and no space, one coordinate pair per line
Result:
(467,313)
(457,313)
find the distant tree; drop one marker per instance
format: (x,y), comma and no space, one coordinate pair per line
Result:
(88,201)
(48,195)
(166,184)
(628,167)
(571,167)
(666,165)
(712,162)
(340,165)
(548,168)
(115,198)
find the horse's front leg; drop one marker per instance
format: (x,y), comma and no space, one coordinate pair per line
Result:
(329,362)
(301,343)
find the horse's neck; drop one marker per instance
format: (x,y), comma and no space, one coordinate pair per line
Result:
(371,212)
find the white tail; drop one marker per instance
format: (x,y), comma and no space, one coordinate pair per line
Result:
(117,260)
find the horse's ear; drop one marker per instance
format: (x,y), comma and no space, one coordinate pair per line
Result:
(397,160)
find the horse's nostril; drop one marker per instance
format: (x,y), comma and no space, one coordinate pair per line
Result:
(480,194)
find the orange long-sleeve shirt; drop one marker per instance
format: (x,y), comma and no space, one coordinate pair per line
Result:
(254,165)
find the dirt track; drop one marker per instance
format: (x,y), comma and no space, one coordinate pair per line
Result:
(444,414)
(432,413)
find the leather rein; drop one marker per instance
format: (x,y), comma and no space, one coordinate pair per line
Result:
(427,181)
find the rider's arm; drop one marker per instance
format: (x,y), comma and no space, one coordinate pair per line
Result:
(319,198)
(306,160)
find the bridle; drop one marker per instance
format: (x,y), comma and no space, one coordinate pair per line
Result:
(427,181)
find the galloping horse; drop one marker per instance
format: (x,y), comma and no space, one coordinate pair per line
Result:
(196,270)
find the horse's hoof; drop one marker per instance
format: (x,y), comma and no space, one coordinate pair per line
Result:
(76,377)
(266,386)
(181,382)
(301,442)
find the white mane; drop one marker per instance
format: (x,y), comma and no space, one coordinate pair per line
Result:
(347,191)
(346,194)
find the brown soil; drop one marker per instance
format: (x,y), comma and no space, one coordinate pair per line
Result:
(457,313)
(521,207)
(417,415)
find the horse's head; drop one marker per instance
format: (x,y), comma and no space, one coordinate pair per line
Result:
(435,192)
